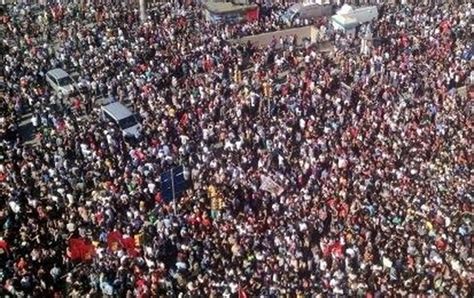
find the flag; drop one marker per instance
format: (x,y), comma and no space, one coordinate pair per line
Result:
(129,245)
(267,184)
(80,249)
(114,240)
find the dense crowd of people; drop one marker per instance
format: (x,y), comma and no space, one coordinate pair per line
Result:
(311,173)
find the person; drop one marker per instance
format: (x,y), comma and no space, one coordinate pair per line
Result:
(338,174)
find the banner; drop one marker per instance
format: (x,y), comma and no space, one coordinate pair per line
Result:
(267,184)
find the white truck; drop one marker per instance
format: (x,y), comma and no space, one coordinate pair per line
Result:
(362,14)
(348,19)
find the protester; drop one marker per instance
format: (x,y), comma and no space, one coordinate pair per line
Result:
(311,173)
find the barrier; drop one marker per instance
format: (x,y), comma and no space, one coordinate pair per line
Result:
(301,33)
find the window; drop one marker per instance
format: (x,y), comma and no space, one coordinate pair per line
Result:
(128,122)
(108,117)
(52,79)
(65,81)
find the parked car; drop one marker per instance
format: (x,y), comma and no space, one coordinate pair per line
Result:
(123,117)
(60,81)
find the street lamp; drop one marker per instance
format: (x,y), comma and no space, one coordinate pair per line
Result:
(142,10)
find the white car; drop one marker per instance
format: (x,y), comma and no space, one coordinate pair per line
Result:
(60,81)
(123,117)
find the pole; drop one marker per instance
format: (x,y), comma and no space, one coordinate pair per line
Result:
(172,190)
(142,11)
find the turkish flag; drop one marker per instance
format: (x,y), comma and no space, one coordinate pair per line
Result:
(114,240)
(129,244)
(80,249)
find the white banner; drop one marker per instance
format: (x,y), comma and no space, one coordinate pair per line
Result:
(271,186)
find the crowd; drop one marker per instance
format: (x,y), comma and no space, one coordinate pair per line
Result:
(311,173)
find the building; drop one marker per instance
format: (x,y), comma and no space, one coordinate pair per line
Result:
(231,13)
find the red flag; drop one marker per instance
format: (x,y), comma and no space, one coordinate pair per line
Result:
(80,249)
(114,240)
(129,245)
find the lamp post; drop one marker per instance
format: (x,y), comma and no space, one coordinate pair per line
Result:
(142,10)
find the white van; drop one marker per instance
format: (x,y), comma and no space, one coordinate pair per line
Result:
(123,117)
(60,81)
